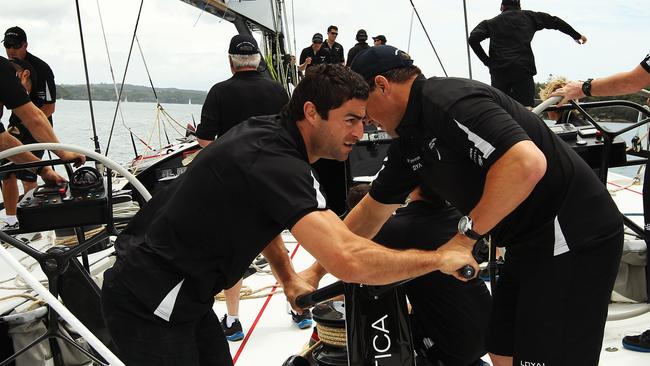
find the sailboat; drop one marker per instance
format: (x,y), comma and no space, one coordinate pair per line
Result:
(271,336)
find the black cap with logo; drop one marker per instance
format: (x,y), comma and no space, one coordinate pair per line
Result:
(14,36)
(362,36)
(243,44)
(376,60)
(317,38)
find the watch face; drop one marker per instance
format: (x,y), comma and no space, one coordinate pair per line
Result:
(464,224)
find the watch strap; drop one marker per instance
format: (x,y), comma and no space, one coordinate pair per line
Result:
(586,87)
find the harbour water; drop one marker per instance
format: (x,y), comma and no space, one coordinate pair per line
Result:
(72,125)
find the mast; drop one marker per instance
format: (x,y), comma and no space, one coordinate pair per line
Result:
(469,60)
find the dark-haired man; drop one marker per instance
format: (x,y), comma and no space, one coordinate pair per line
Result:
(335,49)
(362,44)
(511,60)
(246,94)
(314,54)
(250,185)
(514,180)
(380,40)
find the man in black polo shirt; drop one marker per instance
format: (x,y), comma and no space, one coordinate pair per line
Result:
(246,94)
(361,45)
(13,96)
(511,61)
(335,49)
(43,95)
(314,54)
(514,180)
(200,235)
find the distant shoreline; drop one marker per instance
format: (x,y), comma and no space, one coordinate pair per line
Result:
(130,93)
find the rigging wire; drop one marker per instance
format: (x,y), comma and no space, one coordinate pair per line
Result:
(429,38)
(126,69)
(469,60)
(408,47)
(90,99)
(110,66)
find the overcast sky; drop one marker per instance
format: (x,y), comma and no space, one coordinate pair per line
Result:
(185,53)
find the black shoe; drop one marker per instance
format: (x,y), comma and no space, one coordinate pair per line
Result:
(303,321)
(639,343)
(235,332)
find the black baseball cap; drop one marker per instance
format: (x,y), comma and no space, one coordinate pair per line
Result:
(243,44)
(511,2)
(376,60)
(317,38)
(14,36)
(380,37)
(362,36)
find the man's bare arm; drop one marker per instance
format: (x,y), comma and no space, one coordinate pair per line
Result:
(354,259)
(48,109)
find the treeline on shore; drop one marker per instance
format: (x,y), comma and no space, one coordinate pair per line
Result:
(131,93)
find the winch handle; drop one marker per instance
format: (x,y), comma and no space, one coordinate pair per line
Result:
(322,294)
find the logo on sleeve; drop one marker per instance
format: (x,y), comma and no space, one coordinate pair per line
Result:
(476,156)
(415,163)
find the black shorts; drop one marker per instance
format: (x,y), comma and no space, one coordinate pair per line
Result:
(551,310)
(143,339)
(23,174)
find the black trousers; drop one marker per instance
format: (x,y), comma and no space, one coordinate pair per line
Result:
(146,340)
(518,86)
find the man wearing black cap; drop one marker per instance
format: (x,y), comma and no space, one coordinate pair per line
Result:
(251,184)
(335,48)
(361,38)
(246,94)
(42,94)
(13,96)
(511,60)
(380,40)
(315,54)
(515,181)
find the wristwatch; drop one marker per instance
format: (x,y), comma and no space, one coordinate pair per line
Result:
(586,87)
(465,228)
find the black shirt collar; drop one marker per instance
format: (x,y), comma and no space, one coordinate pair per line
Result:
(246,74)
(296,136)
(413,108)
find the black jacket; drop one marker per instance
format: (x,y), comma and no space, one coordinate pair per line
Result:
(510,34)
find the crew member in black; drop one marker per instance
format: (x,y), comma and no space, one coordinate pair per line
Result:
(335,49)
(315,54)
(449,318)
(13,96)
(233,201)
(511,61)
(42,93)
(361,38)
(513,179)
(246,94)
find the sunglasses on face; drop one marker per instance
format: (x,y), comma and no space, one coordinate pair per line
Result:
(334,33)
(13,45)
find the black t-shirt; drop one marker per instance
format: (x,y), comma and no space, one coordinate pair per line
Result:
(246,94)
(454,130)
(201,233)
(355,50)
(510,34)
(12,93)
(320,57)
(646,63)
(336,52)
(43,92)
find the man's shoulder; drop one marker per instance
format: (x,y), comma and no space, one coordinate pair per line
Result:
(42,68)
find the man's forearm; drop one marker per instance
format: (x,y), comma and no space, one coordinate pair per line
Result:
(276,254)
(7,141)
(622,83)
(36,123)
(48,109)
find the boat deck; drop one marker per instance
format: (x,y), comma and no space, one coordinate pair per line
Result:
(271,336)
